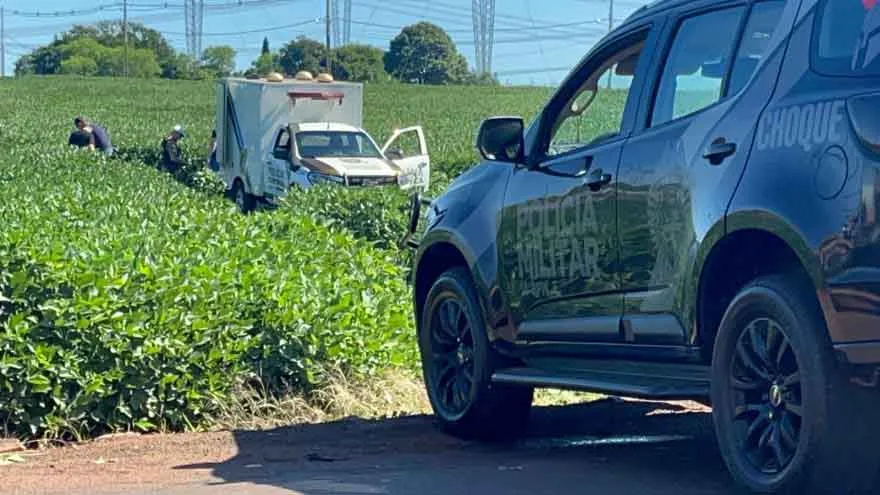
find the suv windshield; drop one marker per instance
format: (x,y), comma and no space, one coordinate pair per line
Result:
(313,144)
(847,40)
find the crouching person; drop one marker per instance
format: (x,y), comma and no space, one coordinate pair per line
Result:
(79,138)
(171,160)
(99,138)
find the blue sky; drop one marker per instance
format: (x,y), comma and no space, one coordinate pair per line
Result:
(531,46)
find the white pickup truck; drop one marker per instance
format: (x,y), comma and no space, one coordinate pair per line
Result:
(276,134)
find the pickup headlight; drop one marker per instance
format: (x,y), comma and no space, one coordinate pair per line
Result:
(315,178)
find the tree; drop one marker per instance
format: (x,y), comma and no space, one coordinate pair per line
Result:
(219,60)
(110,33)
(83,48)
(265,48)
(425,53)
(302,54)
(361,63)
(142,62)
(43,60)
(86,56)
(48,59)
(80,66)
(265,64)
(480,79)
(182,66)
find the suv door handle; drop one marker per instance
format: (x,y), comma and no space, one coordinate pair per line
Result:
(598,179)
(719,150)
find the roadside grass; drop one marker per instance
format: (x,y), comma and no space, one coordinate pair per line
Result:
(392,394)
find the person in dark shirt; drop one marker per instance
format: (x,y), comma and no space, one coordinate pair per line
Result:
(79,138)
(212,152)
(171,159)
(100,138)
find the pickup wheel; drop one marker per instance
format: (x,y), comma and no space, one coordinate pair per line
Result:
(786,420)
(458,362)
(243,200)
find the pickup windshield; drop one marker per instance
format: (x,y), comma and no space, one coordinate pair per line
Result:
(313,144)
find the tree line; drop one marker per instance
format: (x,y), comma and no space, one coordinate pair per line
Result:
(422,53)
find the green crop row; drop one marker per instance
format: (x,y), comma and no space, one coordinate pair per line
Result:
(128,301)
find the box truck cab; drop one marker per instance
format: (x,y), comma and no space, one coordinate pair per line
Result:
(276,133)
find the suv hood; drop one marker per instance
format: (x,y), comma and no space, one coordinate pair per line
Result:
(352,166)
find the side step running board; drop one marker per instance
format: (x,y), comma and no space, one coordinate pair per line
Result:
(624,382)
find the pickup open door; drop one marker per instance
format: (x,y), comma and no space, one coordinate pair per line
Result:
(277,167)
(408,150)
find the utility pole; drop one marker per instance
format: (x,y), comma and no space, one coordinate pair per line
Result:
(125,38)
(2,42)
(329,29)
(610,27)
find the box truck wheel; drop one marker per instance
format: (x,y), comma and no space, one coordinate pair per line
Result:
(243,200)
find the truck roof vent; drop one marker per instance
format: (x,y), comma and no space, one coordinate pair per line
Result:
(325,78)
(303,75)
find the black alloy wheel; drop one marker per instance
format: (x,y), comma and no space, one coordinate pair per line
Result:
(787,418)
(452,369)
(458,362)
(768,404)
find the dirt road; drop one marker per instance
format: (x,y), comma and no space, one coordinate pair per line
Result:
(605,447)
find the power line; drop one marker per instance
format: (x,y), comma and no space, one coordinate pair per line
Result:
(250,31)
(144,7)
(448,18)
(542,27)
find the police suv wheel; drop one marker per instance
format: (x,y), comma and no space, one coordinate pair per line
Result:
(458,362)
(785,419)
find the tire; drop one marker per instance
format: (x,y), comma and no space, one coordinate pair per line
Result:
(458,362)
(786,419)
(242,199)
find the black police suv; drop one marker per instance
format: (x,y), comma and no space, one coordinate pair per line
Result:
(693,214)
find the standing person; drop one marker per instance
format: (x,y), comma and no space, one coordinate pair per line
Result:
(212,152)
(171,160)
(100,138)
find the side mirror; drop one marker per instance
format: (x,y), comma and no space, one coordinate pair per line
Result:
(501,139)
(394,154)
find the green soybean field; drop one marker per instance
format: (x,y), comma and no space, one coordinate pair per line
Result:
(134,300)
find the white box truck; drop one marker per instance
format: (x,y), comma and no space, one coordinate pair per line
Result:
(275,133)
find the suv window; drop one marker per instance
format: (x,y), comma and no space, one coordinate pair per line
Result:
(695,66)
(763,20)
(596,110)
(846,40)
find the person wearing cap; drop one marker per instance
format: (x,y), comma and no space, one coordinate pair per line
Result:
(171,160)
(99,138)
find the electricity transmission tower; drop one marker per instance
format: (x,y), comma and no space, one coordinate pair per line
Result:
(484,34)
(346,26)
(194,12)
(341,23)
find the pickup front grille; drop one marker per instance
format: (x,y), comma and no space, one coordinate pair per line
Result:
(372,181)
